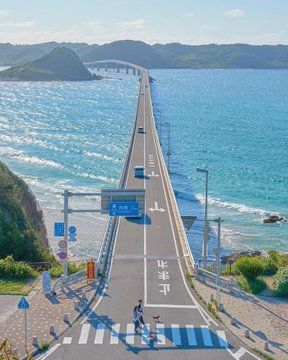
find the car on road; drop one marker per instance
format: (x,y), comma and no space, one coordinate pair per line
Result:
(141,130)
(139,171)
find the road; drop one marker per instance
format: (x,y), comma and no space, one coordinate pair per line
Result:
(147,265)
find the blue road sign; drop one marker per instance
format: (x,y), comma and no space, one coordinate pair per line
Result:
(62,255)
(126,209)
(23,303)
(59,229)
(72,229)
(72,237)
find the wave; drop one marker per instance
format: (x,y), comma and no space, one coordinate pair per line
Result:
(96,177)
(101,156)
(233,206)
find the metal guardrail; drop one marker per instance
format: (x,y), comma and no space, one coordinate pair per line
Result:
(189,260)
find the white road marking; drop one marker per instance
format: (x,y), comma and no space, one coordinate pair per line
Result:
(130,338)
(145,334)
(206,336)
(239,353)
(156,208)
(176,338)
(161,339)
(222,338)
(115,334)
(153,174)
(165,288)
(99,334)
(84,334)
(49,352)
(191,335)
(67,340)
(172,306)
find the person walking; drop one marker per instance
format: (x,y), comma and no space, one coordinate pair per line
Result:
(136,315)
(140,310)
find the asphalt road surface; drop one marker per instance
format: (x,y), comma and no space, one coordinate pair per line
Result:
(147,265)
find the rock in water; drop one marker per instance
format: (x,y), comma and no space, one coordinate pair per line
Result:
(272,219)
(60,64)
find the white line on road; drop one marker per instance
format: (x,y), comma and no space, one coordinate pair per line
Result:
(84,334)
(67,340)
(49,352)
(172,306)
(176,338)
(191,335)
(161,339)
(222,338)
(145,334)
(99,334)
(130,334)
(206,336)
(115,334)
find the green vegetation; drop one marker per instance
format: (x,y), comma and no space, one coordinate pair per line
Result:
(19,270)
(250,268)
(56,270)
(255,286)
(173,55)
(60,64)
(281,282)
(44,346)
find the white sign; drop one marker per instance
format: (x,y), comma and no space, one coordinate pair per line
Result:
(46,282)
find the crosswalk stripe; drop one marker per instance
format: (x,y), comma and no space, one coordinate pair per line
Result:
(67,340)
(176,338)
(161,339)
(191,335)
(115,334)
(130,334)
(84,334)
(145,334)
(206,336)
(99,334)
(222,338)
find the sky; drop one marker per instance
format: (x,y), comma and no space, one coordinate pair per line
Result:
(152,21)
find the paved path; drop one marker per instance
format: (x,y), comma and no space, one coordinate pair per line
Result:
(147,263)
(266,318)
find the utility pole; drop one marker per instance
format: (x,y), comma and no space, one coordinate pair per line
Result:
(217,251)
(65,261)
(169,145)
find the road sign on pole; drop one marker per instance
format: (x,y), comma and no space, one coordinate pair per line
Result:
(126,209)
(188,221)
(72,229)
(72,237)
(62,244)
(91,273)
(59,229)
(24,305)
(62,255)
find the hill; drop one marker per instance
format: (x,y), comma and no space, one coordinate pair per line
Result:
(22,229)
(59,64)
(173,55)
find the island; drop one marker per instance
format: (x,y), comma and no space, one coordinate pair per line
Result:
(61,64)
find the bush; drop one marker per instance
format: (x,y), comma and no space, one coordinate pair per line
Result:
(283,261)
(252,286)
(281,282)
(249,267)
(19,270)
(56,271)
(270,266)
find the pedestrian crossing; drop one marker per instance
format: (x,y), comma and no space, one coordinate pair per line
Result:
(159,335)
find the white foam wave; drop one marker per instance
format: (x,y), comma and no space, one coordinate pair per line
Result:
(233,206)
(101,178)
(101,156)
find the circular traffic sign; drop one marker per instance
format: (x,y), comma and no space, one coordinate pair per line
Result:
(62,244)
(72,229)
(62,255)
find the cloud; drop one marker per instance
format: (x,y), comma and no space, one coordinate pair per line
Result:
(208,27)
(25,24)
(235,13)
(4,12)
(132,25)
(93,25)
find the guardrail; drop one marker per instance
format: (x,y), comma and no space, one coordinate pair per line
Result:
(188,257)
(109,234)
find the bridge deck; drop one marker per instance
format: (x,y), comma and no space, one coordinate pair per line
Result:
(146,264)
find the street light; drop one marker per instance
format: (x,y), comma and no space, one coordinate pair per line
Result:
(206,226)
(217,251)
(169,143)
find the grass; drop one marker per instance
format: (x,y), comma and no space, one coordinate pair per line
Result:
(265,356)
(190,281)
(12,286)
(252,286)
(44,346)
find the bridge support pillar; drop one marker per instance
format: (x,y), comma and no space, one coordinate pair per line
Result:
(127,70)
(134,71)
(106,69)
(118,69)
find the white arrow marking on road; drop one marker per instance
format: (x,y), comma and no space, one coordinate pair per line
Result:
(156,208)
(153,174)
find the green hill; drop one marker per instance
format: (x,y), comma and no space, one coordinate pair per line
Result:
(22,229)
(60,64)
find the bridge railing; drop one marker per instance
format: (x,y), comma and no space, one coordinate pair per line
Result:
(189,260)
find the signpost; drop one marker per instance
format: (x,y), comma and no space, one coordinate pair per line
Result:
(46,282)
(91,270)
(62,255)
(188,221)
(127,208)
(72,229)
(62,244)
(72,237)
(59,229)
(24,305)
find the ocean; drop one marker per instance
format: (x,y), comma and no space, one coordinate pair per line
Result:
(232,122)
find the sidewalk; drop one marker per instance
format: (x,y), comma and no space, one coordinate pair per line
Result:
(44,311)
(266,318)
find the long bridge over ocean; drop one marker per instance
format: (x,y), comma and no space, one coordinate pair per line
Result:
(147,258)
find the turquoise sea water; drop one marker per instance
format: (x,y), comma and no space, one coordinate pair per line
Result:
(232,122)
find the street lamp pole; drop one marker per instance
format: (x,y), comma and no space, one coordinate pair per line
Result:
(206,225)
(218,252)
